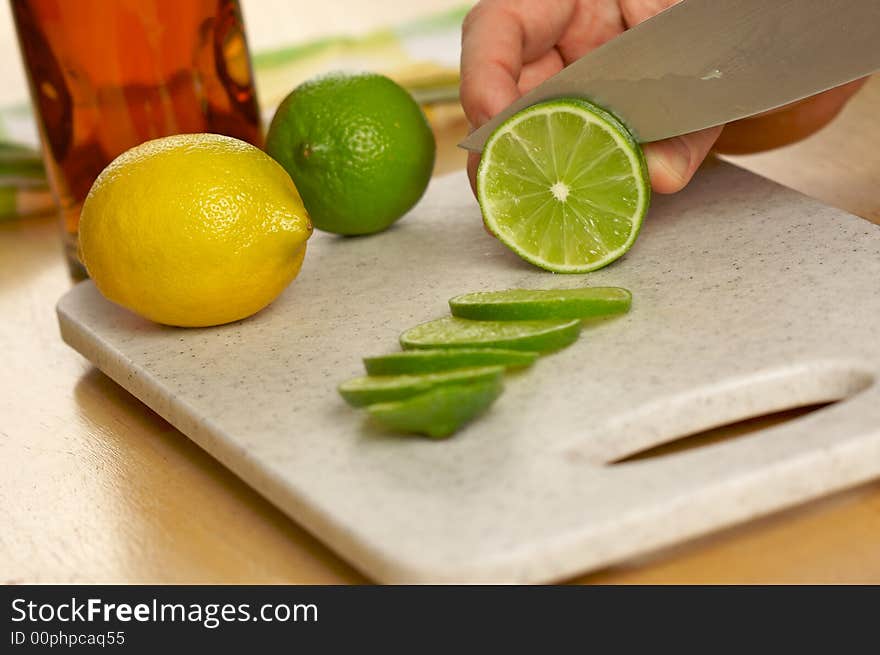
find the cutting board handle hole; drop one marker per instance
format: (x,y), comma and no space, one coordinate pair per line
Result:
(722,433)
(725,410)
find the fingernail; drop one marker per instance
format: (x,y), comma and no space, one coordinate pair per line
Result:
(677,158)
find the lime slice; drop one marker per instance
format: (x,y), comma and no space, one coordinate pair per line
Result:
(564,185)
(438,413)
(527,304)
(431,361)
(380,389)
(451,332)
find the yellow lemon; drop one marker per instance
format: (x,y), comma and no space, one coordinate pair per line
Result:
(193,230)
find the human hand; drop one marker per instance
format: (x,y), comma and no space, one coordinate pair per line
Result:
(511,46)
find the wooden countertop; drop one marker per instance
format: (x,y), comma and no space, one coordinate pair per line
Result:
(95,487)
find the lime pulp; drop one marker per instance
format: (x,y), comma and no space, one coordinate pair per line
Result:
(564,185)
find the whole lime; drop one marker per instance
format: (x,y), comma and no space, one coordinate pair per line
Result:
(358,148)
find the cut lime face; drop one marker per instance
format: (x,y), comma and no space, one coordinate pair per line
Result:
(380,389)
(528,304)
(438,413)
(452,332)
(432,361)
(564,185)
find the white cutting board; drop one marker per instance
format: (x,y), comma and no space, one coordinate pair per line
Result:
(748,298)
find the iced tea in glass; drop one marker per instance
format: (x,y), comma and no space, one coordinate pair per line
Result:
(106,75)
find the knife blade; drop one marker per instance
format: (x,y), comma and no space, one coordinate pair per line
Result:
(702,63)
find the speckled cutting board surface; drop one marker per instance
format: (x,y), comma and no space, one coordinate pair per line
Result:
(748,298)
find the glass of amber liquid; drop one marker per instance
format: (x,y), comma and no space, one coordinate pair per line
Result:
(106,75)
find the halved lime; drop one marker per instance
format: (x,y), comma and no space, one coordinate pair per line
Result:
(386,388)
(431,361)
(564,185)
(452,332)
(438,413)
(528,304)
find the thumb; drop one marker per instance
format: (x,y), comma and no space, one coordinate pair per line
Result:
(673,162)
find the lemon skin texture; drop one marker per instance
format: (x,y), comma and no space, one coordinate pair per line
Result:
(193,230)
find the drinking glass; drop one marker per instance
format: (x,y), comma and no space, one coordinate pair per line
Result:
(106,75)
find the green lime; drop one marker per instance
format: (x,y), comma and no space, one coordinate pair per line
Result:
(386,388)
(438,413)
(431,361)
(358,148)
(451,332)
(564,185)
(526,304)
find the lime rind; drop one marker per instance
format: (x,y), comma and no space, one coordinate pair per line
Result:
(369,390)
(358,147)
(538,304)
(438,413)
(453,332)
(411,362)
(539,183)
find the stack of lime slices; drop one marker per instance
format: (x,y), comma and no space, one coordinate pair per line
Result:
(564,185)
(451,369)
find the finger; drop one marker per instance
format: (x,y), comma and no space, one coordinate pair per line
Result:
(593,23)
(784,125)
(636,11)
(673,162)
(491,60)
(473,161)
(534,73)
(827,102)
(497,39)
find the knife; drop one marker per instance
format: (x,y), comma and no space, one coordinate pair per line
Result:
(702,63)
